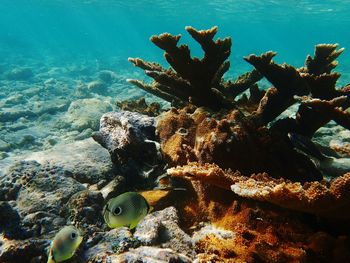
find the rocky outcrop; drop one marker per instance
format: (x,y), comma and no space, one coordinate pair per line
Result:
(130,139)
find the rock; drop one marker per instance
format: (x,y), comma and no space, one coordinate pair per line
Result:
(14,100)
(107,76)
(85,208)
(130,139)
(85,161)
(50,81)
(42,223)
(125,134)
(3,156)
(151,255)
(23,251)
(19,74)
(96,86)
(103,244)
(113,188)
(37,192)
(12,114)
(47,191)
(85,113)
(9,220)
(162,228)
(4,146)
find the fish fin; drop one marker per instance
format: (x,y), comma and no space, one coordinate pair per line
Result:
(50,258)
(133,224)
(150,209)
(153,197)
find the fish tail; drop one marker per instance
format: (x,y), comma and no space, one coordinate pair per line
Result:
(50,258)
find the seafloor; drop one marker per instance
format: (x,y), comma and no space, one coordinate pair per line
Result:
(235,173)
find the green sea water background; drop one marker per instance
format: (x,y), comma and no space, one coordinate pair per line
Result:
(69,30)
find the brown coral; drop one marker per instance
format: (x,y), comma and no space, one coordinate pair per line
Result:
(198,81)
(152,109)
(224,134)
(230,141)
(321,83)
(235,135)
(331,200)
(262,233)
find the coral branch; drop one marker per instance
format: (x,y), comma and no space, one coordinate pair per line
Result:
(287,83)
(324,60)
(322,85)
(331,109)
(193,80)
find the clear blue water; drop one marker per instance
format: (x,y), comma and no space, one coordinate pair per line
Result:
(95,29)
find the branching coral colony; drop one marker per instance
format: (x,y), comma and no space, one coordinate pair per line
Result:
(233,133)
(229,149)
(210,125)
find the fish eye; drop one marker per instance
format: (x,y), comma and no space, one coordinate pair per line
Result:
(73,235)
(117,211)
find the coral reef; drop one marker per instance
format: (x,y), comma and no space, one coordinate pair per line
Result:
(256,231)
(225,178)
(217,144)
(153,109)
(231,142)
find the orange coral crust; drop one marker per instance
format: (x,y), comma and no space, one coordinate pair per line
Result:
(261,232)
(342,148)
(231,141)
(331,200)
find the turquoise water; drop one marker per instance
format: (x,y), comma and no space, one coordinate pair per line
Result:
(65,44)
(66,30)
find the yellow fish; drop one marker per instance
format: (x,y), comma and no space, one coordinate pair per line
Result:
(64,245)
(127,209)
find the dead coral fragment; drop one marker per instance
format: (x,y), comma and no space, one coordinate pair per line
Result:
(194,80)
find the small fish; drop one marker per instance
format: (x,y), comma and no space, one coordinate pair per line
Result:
(127,209)
(64,245)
